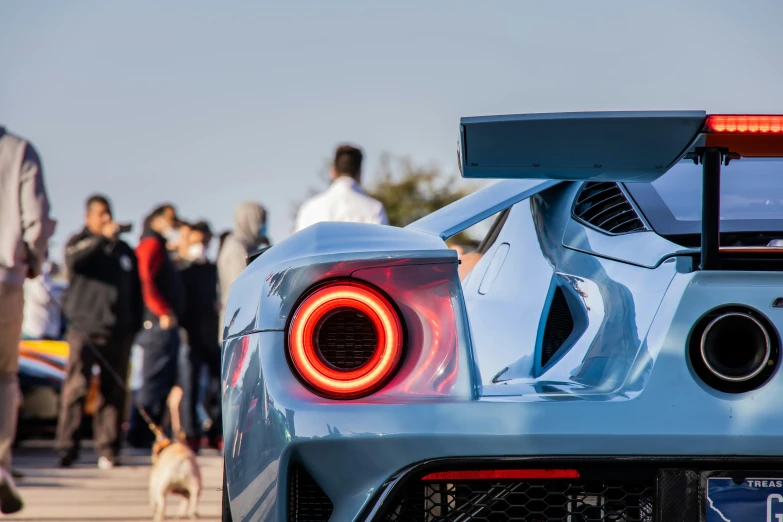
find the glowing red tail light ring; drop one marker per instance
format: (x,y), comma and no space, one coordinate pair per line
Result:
(323,378)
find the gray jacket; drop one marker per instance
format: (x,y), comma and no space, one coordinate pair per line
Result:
(248,219)
(25,225)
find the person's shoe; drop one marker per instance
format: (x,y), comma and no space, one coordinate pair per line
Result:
(10,500)
(105,463)
(216,443)
(15,473)
(194,443)
(67,458)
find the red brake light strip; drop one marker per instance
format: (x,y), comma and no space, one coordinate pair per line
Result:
(747,123)
(749,135)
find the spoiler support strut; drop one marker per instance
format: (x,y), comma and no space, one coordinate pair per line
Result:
(711,159)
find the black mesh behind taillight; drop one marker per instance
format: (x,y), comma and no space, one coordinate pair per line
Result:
(307,502)
(346,339)
(559,326)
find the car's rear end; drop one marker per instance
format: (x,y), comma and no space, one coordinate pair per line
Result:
(357,384)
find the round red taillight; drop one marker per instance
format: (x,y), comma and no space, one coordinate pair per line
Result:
(345,340)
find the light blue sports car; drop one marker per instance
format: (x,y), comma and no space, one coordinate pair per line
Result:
(610,353)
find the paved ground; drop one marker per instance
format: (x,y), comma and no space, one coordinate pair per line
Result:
(86,493)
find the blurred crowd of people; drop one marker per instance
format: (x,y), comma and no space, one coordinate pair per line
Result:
(163,297)
(156,308)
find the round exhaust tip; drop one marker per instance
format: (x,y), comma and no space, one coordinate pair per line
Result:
(734,349)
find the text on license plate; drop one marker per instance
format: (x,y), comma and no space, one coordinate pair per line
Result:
(753,500)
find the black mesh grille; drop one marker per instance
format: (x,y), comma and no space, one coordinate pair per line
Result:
(559,325)
(528,501)
(307,501)
(605,206)
(346,339)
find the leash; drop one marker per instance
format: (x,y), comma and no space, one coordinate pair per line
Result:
(104,364)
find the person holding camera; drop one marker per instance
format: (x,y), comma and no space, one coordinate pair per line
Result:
(104,308)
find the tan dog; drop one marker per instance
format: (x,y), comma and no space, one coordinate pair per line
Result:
(174,470)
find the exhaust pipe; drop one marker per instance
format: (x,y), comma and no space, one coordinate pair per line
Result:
(735,347)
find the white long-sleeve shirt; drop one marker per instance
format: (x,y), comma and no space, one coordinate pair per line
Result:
(41,313)
(344,200)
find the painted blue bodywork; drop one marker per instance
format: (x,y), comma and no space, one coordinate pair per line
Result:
(622,386)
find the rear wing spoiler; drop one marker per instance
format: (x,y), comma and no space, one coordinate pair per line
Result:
(609,146)
(619,146)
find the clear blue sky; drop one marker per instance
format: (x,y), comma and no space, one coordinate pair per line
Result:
(210,103)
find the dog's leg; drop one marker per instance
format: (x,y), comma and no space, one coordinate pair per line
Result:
(160,505)
(194,493)
(184,507)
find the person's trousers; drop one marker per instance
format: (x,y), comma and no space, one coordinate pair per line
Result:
(199,354)
(84,352)
(11,308)
(159,375)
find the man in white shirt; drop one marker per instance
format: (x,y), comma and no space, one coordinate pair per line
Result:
(344,200)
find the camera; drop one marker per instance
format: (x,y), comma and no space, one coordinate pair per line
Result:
(125,228)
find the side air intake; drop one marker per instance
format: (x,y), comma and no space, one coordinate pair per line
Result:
(559,326)
(605,206)
(307,502)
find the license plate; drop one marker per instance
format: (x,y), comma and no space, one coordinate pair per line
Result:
(752,500)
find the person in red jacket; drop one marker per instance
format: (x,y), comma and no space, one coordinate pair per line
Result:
(163,302)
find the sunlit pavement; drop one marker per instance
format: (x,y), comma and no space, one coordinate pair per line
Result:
(86,493)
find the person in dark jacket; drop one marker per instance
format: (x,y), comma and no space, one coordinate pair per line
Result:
(103,306)
(163,306)
(200,322)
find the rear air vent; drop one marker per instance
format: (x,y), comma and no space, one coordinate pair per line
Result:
(605,206)
(559,326)
(307,502)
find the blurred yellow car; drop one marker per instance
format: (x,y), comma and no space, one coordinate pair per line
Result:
(41,375)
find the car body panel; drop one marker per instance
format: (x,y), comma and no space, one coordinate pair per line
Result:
(478,206)
(645,249)
(50,353)
(603,289)
(319,252)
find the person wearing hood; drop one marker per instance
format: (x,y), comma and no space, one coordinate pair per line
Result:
(249,234)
